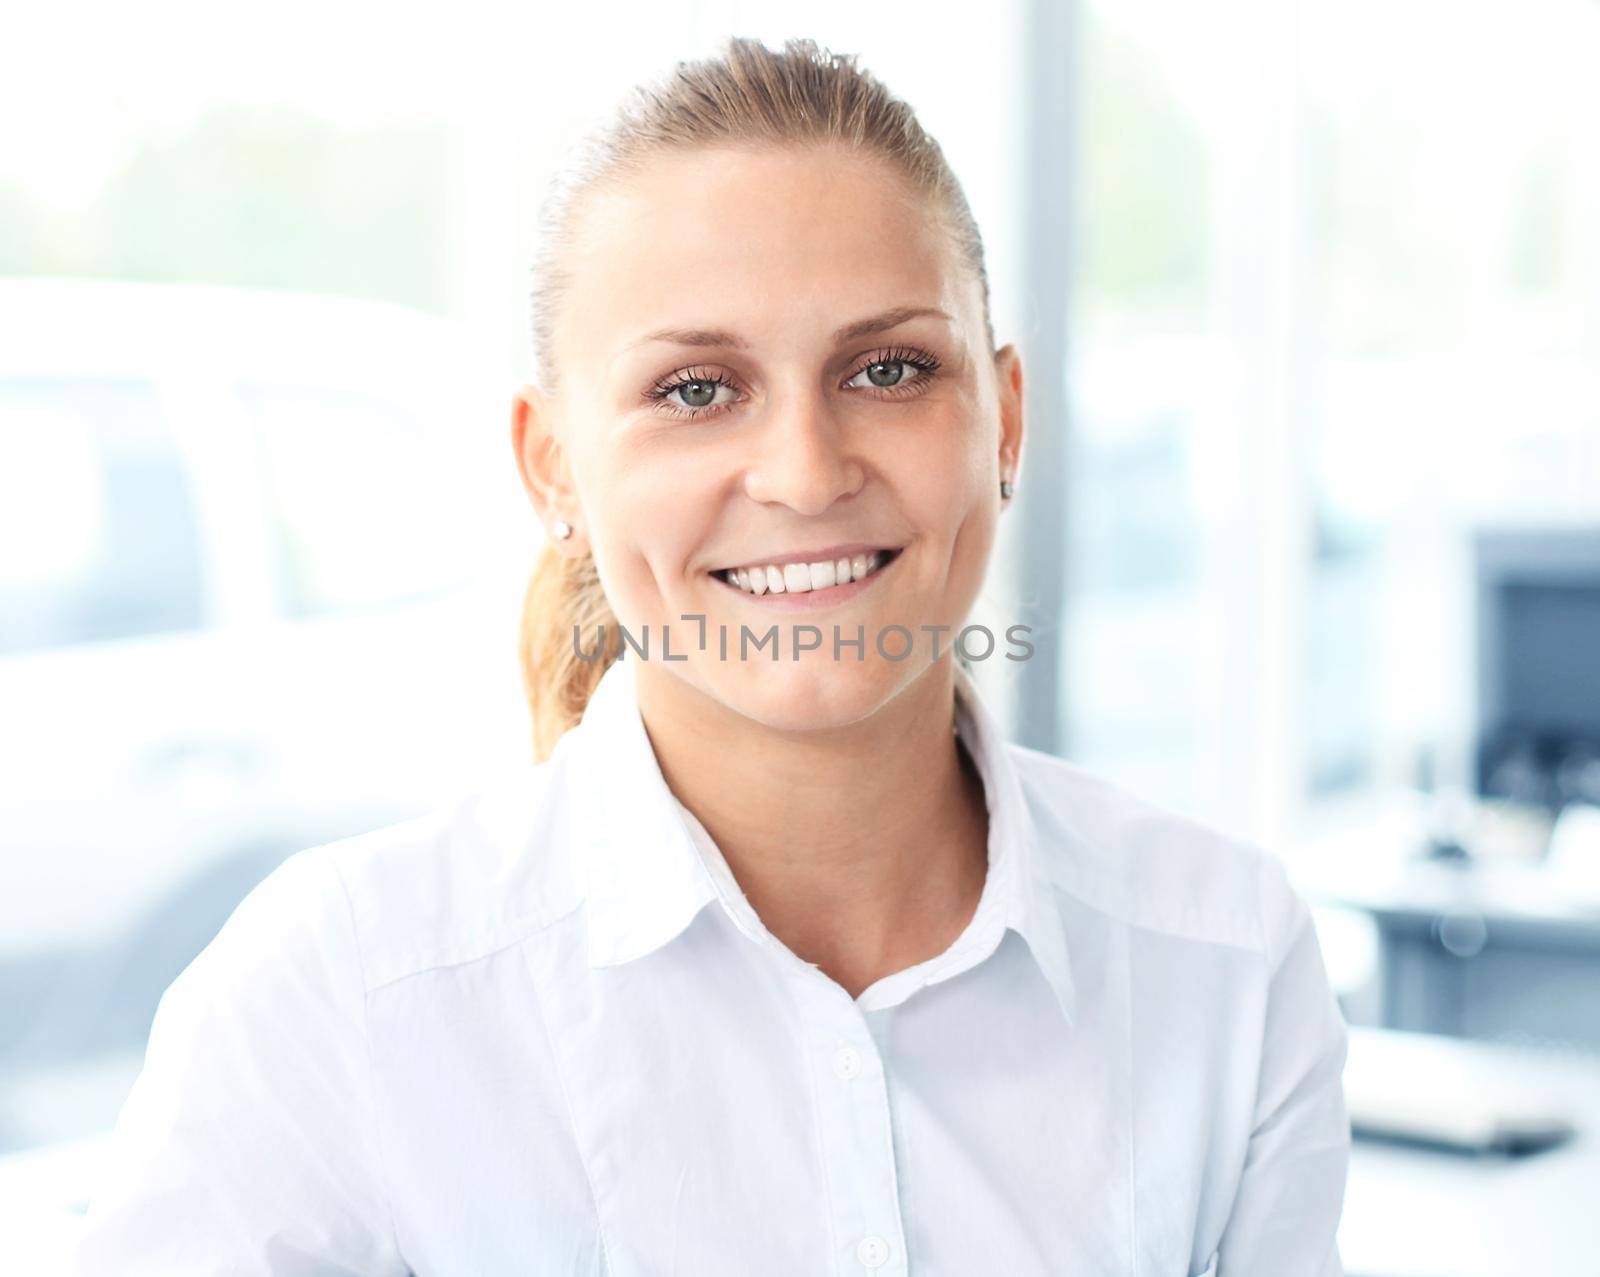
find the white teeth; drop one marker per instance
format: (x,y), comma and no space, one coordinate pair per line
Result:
(800,578)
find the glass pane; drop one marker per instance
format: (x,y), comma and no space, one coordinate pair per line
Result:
(1453,247)
(1140,379)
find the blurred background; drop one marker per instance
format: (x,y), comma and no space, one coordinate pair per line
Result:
(1308,524)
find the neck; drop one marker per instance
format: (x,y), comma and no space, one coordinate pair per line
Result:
(863,849)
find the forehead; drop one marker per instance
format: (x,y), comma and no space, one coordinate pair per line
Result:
(768,242)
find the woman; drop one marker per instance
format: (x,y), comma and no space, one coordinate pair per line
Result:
(780,960)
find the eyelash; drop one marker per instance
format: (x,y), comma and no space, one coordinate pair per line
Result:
(926,364)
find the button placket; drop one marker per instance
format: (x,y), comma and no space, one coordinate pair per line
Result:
(847,1062)
(856,1139)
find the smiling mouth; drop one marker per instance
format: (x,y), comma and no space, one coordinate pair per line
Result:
(807,578)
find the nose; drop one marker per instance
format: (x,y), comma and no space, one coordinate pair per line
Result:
(805,460)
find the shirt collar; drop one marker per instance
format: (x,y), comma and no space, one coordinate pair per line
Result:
(647,875)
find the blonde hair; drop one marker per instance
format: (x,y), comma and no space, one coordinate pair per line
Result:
(747,94)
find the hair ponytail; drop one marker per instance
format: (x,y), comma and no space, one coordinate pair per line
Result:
(563,607)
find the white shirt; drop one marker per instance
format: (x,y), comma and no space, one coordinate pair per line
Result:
(541,1032)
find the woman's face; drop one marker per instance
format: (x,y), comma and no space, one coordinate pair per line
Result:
(765,355)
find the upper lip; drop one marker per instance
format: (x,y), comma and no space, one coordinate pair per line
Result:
(828,554)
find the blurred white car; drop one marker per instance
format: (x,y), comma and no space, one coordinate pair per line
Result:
(261,559)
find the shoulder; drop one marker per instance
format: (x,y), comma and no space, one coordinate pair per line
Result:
(289,940)
(1150,866)
(462,881)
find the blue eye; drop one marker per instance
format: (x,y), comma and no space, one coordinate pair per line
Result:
(696,392)
(691,393)
(886,372)
(894,371)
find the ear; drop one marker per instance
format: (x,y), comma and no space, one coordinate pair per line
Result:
(1008,373)
(543,465)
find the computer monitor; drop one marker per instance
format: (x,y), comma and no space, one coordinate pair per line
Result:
(1538,664)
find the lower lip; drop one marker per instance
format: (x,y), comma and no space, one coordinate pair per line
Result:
(812,600)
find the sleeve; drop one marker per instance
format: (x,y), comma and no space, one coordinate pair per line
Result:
(247,1144)
(1285,1215)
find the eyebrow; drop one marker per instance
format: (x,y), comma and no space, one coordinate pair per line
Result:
(849,332)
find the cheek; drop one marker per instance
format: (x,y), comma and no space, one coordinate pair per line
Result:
(651,516)
(956,509)
(944,479)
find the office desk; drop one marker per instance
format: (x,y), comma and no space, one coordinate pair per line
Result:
(1489,949)
(1414,1212)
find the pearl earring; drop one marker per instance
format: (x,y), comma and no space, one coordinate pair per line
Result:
(562,529)
(1006,489)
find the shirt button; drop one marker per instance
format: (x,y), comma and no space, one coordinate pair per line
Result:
(873,1252)
(847,1064)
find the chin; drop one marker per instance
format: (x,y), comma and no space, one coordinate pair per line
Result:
(811,694)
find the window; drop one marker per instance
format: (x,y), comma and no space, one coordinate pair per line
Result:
(1142,376)
(1333,308)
